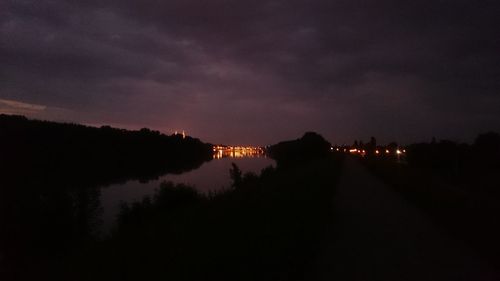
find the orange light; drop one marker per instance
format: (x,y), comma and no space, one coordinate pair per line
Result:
(398,151)
(387,151)
(377,152)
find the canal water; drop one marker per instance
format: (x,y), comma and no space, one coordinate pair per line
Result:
(212,175)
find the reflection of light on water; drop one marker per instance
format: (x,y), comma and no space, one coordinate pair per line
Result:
(212,175)
(237,151)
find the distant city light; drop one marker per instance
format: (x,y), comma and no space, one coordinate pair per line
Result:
(221,151)
(387,151)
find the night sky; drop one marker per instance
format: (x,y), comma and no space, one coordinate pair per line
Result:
(256,72)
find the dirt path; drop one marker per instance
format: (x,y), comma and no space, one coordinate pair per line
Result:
(377,235)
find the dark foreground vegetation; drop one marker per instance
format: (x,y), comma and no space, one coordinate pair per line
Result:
(50,180)
(456,184)
(265,226)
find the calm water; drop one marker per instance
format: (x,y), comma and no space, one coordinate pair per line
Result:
(212,175)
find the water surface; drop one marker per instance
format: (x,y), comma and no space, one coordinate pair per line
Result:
(213,175)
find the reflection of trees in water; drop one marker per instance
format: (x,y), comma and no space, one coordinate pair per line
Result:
(46,218)
(50,180)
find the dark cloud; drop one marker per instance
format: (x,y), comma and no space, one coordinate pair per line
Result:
(258,71)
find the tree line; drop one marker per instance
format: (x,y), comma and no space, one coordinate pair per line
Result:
(63,151)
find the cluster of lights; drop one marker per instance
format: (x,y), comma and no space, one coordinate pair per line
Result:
(223,147)
(221,151)
(354,150)
(377,151)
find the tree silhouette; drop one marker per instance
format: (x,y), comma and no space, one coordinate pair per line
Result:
(236,175)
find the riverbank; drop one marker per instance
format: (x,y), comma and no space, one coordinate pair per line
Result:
(266,227)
